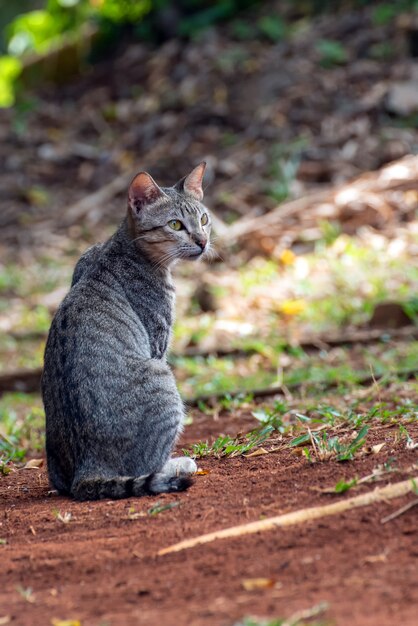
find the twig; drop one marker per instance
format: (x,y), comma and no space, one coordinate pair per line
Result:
(21,380)
(399,512)
(245,226)
(298,517)
(96,199)
(397,174)
(322,342)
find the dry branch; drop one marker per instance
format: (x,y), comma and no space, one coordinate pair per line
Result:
(21,380)
(399,512)
(321,342)
(95,200)
(371,198)
(299,517)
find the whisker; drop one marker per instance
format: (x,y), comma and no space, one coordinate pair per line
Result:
(139,237)
(165,258)
(213,253)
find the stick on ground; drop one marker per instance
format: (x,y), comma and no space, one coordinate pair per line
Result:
(298,517)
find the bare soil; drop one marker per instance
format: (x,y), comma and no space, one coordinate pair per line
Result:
(102,566)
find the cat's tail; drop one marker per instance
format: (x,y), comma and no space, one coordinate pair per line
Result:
(127,487)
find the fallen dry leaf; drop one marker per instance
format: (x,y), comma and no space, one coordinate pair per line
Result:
(65,622)
(34,464)
(134,516)
(251,584)
(257,452)
(201,472)
(65,518)
(5,619)
(374,449)
(298,451)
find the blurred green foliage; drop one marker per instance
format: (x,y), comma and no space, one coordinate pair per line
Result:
(52,21)
(331,53)
(10,69)
(40,30)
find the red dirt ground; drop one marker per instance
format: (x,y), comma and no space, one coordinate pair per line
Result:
(101,568)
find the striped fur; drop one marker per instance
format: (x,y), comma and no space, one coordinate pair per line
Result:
(113,412)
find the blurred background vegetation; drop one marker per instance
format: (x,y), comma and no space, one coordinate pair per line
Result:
(29,27)
(287,101)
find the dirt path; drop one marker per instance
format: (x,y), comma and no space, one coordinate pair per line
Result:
(101,567)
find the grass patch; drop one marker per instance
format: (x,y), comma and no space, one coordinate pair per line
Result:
(321,432)
(20,353)
(225,445)
(339,283)
(339,367)
(22,428)
(41,276)
(206,375)
(325,447)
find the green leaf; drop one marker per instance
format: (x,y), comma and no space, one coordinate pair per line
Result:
(272,26)
(362,434)
(299,440)
(32,31)
(332,53)
(159,508)
(342,486)
(10,69)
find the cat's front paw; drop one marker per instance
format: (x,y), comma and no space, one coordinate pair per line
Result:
(180,466)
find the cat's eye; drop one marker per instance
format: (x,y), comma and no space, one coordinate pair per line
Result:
(204,219)
(175,224)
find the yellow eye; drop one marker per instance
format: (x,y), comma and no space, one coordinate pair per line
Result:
(175,224)
(204,219)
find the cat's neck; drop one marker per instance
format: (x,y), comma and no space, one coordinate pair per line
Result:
(148,288)
(129,247)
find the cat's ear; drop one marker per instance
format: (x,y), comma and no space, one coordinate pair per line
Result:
(192,184)
(143,191)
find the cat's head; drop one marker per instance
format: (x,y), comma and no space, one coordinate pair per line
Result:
(169,223)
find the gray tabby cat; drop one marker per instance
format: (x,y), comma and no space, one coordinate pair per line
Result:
(113,412)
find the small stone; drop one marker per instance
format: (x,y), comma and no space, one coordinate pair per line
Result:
(403,98)
(389,315)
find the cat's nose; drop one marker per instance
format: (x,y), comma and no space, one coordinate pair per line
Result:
(201,242)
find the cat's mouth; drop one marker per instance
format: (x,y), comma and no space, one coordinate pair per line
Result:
(196,255)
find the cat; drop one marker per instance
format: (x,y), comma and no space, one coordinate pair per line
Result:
(113,412)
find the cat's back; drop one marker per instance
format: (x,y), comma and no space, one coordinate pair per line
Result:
(95,323)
